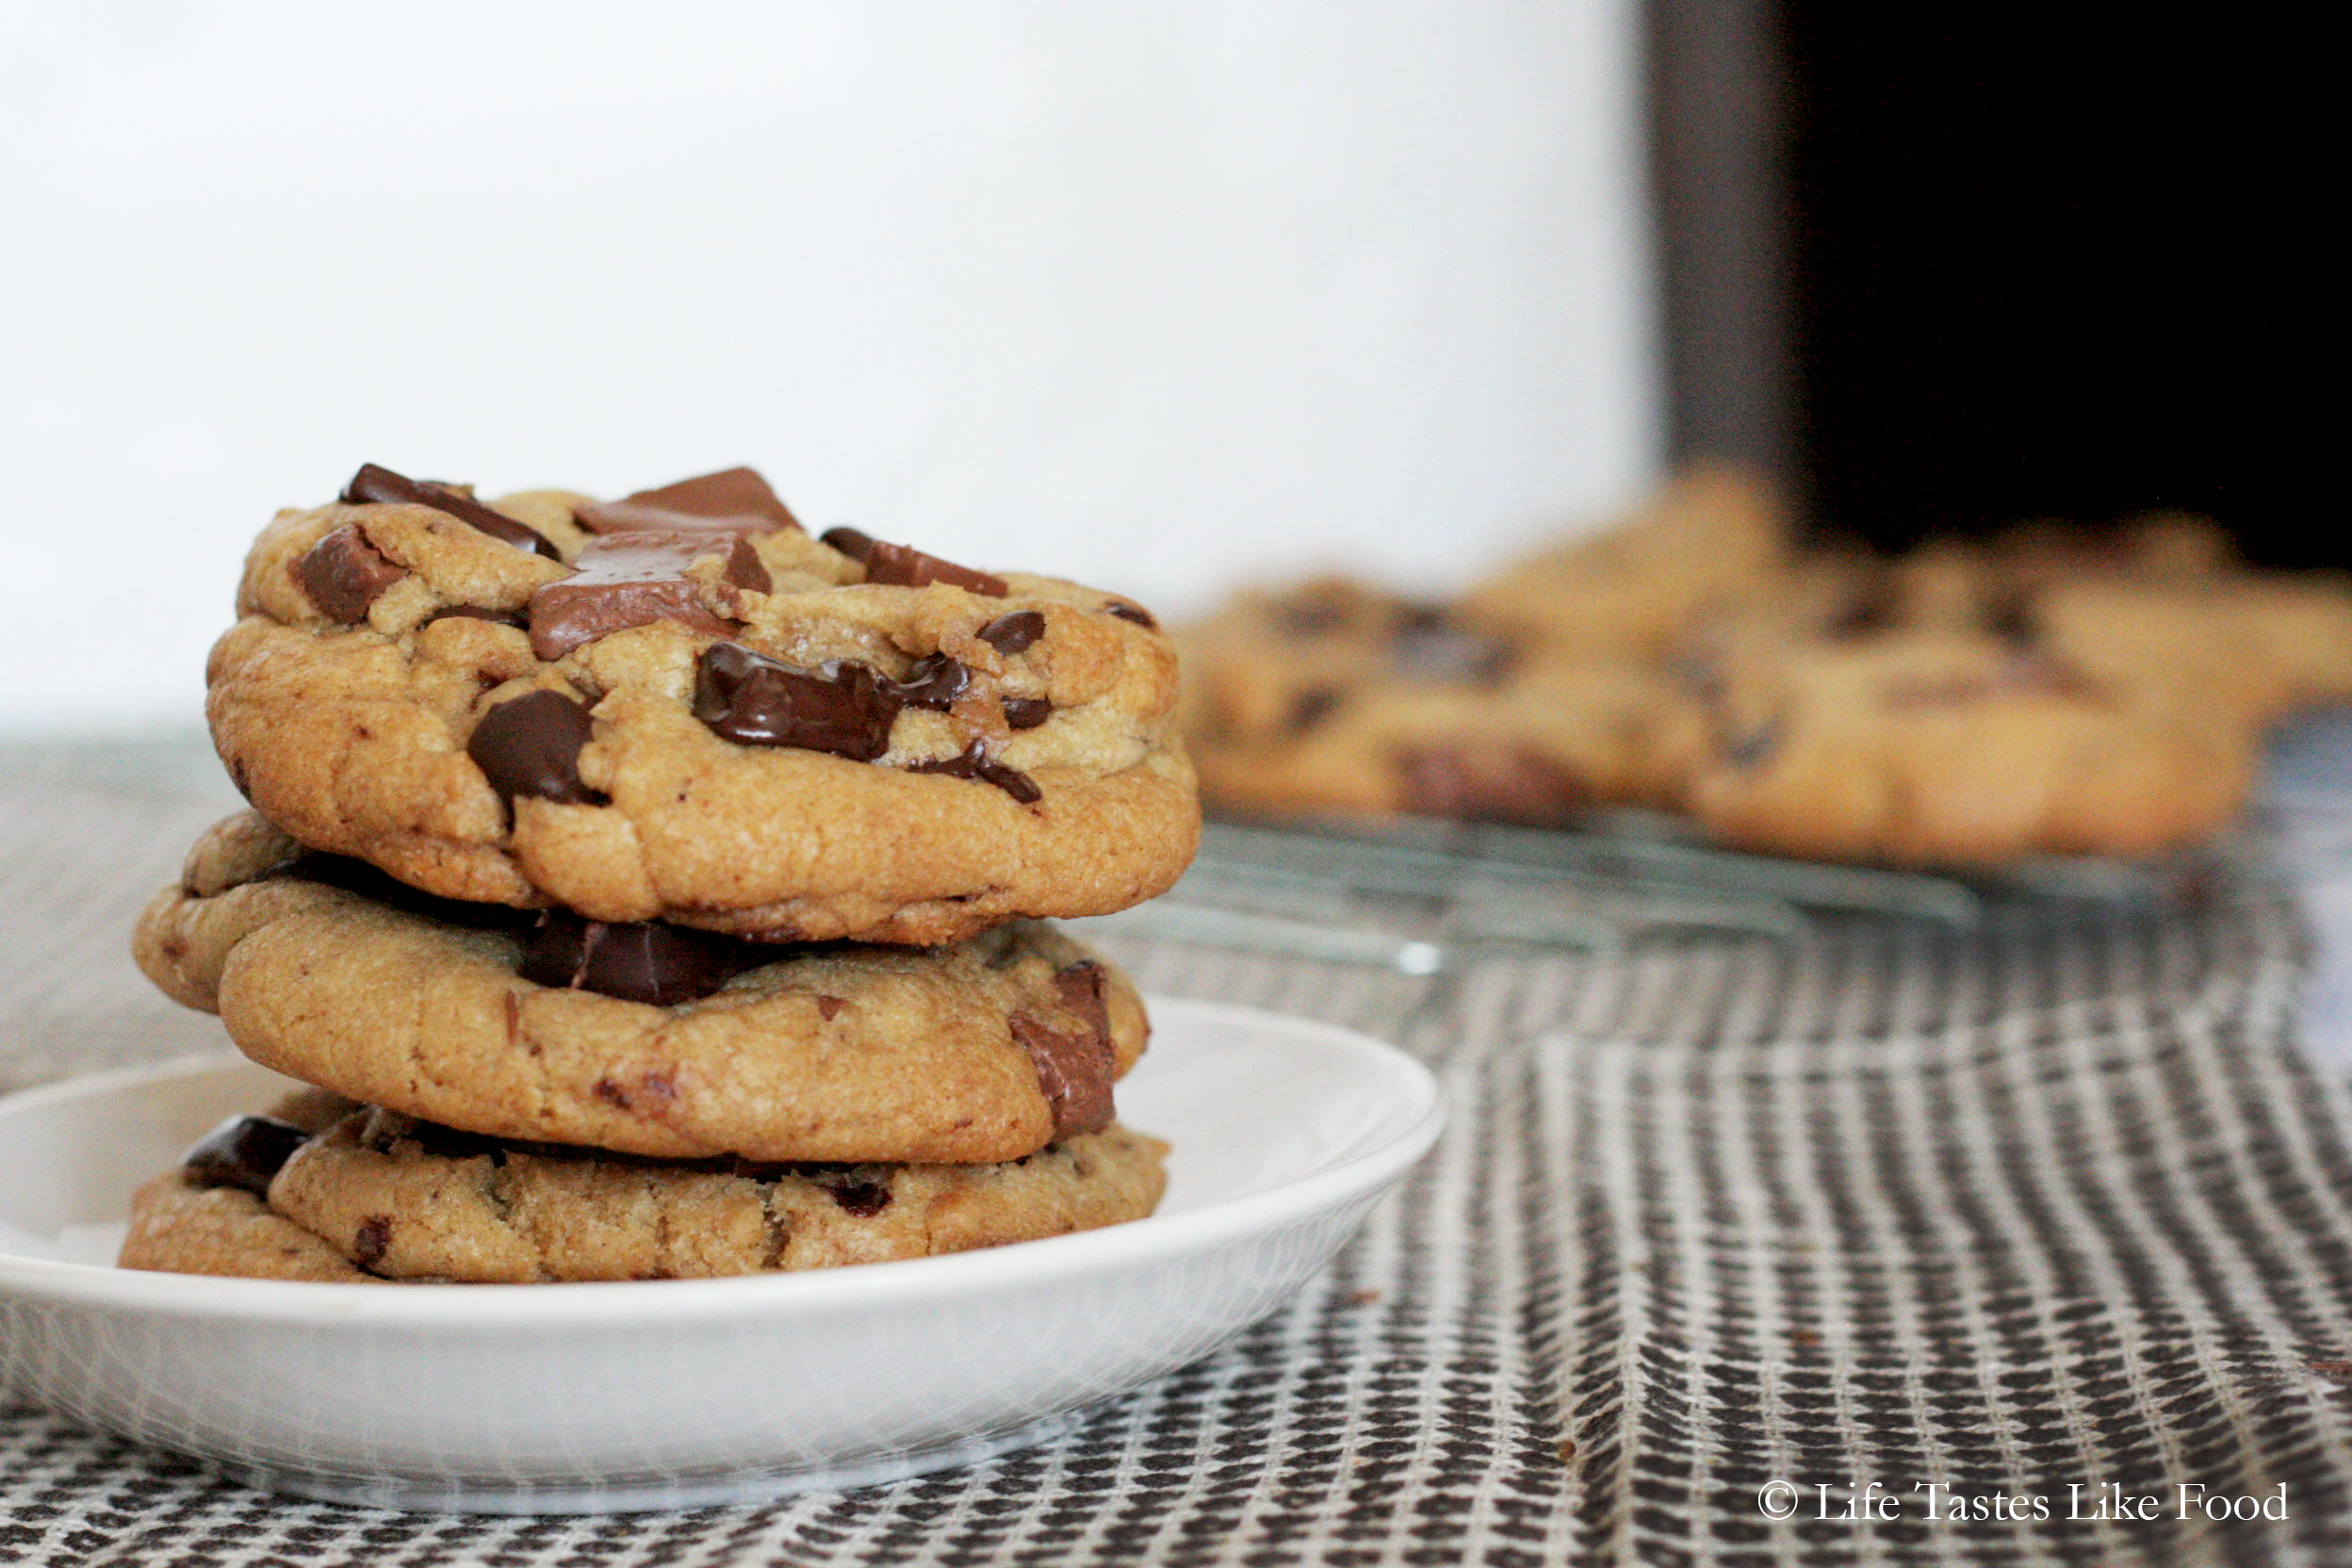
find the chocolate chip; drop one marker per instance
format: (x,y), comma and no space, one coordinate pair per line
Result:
(829,1007)
(1472,783)
(622,581)
(1013,633)
(475,612)
(343,574)
(1135,612)
(1438,652)
(932,684)
(850,542)
(733,498)
(1075,1068)
(1026,712)
(862,1198)
(243,1151)
(904,566)
(648,961)
(975,762)
(371,1240)
(745,568)
(1311,707)
(842,708)
(529,745)
(379,486)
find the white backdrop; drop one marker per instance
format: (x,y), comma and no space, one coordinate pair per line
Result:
(1156,293)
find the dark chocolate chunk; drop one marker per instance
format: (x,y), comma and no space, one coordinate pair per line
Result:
(243,1151)
(646,961)
(622,581)
(842,708)
(1013,633)
(452,1143)
(859,1198)
(1135,612)
(904,566)
(371,1240)
(1311,707)
(850,542)
(1075,1067)
(529,745)
(1026,712)
(1436,651)
(475,612)
(934,683)
(745,568)
(1474,783)
(343,574)
(732,500)
(975,762)
(378,487)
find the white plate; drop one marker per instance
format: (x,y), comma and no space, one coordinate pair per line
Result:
(668,1394)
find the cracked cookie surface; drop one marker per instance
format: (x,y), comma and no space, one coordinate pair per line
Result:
(493,1020)
(375,1196)
(684,707)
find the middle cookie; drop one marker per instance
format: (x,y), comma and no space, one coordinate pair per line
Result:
(643,1039)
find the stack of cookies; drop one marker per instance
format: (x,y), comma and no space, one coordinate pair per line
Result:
(2050,691)
(652,889)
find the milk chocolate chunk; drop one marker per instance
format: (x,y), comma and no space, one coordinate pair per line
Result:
(1013,633)
(622,580)
(529,745)
(1470,782)
(378,487)
(849,541)
(730,501)
(904,566)
(745,568)
(840,708)
(243,1151)
(1075,1067)
(1135,612)
(975,762)
(343,574)
(638,961)
(1026,712)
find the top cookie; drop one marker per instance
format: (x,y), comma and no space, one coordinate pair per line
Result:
(681,706)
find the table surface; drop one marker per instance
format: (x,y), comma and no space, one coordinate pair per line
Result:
(2056,1201)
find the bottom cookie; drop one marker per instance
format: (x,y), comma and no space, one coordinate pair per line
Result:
(373,1196)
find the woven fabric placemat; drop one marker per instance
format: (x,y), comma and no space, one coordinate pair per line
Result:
(2050,1204)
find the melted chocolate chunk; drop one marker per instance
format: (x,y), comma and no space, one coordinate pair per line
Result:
(732,500)
(343,574)
(1135,612)
(243,1151)
(843,709)
(475,612)
(1026,712)
(1311,707)
(904,566)
(1423,650)
(975,762)
(1075,1068)
(934,683)
(622,581)
(529,745)
(1013,633)
(638,961)
(379,486)
(1469,783)
(745,568)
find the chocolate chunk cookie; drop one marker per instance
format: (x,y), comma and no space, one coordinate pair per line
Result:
(377,1195)
(648,1039)
(1334,697)
(681,706)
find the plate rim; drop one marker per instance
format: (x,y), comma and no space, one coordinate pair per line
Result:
(624,1302)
